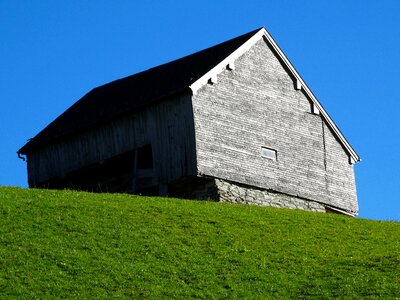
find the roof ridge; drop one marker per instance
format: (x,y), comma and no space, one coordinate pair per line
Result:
(173,61)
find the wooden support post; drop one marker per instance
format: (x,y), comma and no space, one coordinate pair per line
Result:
(134,171)
(163,189)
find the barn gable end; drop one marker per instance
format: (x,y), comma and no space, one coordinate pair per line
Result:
(256,106)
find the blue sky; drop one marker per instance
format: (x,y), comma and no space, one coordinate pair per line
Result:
(348,52)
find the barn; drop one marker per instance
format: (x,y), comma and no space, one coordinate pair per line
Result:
(232,123)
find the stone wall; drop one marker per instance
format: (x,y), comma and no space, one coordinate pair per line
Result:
(224,191)
(235,193)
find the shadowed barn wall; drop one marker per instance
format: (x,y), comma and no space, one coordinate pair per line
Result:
(167,126)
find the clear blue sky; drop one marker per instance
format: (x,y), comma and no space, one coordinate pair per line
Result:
(53,52)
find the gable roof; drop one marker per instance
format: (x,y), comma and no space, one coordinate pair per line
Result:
(140,90)
(134,92)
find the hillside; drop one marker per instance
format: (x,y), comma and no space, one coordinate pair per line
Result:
(57,244)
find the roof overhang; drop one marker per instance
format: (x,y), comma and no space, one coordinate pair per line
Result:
(300,83)
(341,211)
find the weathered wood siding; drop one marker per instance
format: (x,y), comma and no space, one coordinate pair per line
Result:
(257,105)
(168,126)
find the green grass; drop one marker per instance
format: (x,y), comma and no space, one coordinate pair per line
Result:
(64,244)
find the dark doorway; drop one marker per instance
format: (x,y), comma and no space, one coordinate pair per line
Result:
(143,173)
(111,175)
(145,157)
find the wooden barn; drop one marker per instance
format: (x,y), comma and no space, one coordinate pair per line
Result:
(234,122)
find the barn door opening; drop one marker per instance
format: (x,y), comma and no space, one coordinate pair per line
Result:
(143,171)
(145,157)
(110,175)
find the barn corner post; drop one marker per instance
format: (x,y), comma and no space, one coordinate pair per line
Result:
(134,172)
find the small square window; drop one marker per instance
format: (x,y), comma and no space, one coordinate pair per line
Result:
(268,153)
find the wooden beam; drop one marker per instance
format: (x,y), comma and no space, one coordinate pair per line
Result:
(163,189)
(298,84)
(315,110)
(214,79)
(134,171)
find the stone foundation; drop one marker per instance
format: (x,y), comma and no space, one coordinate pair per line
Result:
(224,191)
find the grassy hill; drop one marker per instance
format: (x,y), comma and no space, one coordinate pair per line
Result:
(64,244)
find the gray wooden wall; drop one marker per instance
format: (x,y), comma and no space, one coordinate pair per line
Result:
(168,126)
(256,105)
(253,106)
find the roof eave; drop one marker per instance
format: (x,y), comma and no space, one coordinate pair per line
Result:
(30,147)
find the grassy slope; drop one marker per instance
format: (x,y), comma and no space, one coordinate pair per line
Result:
(80,245)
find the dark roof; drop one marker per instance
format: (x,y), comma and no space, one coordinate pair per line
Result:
(134,92)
